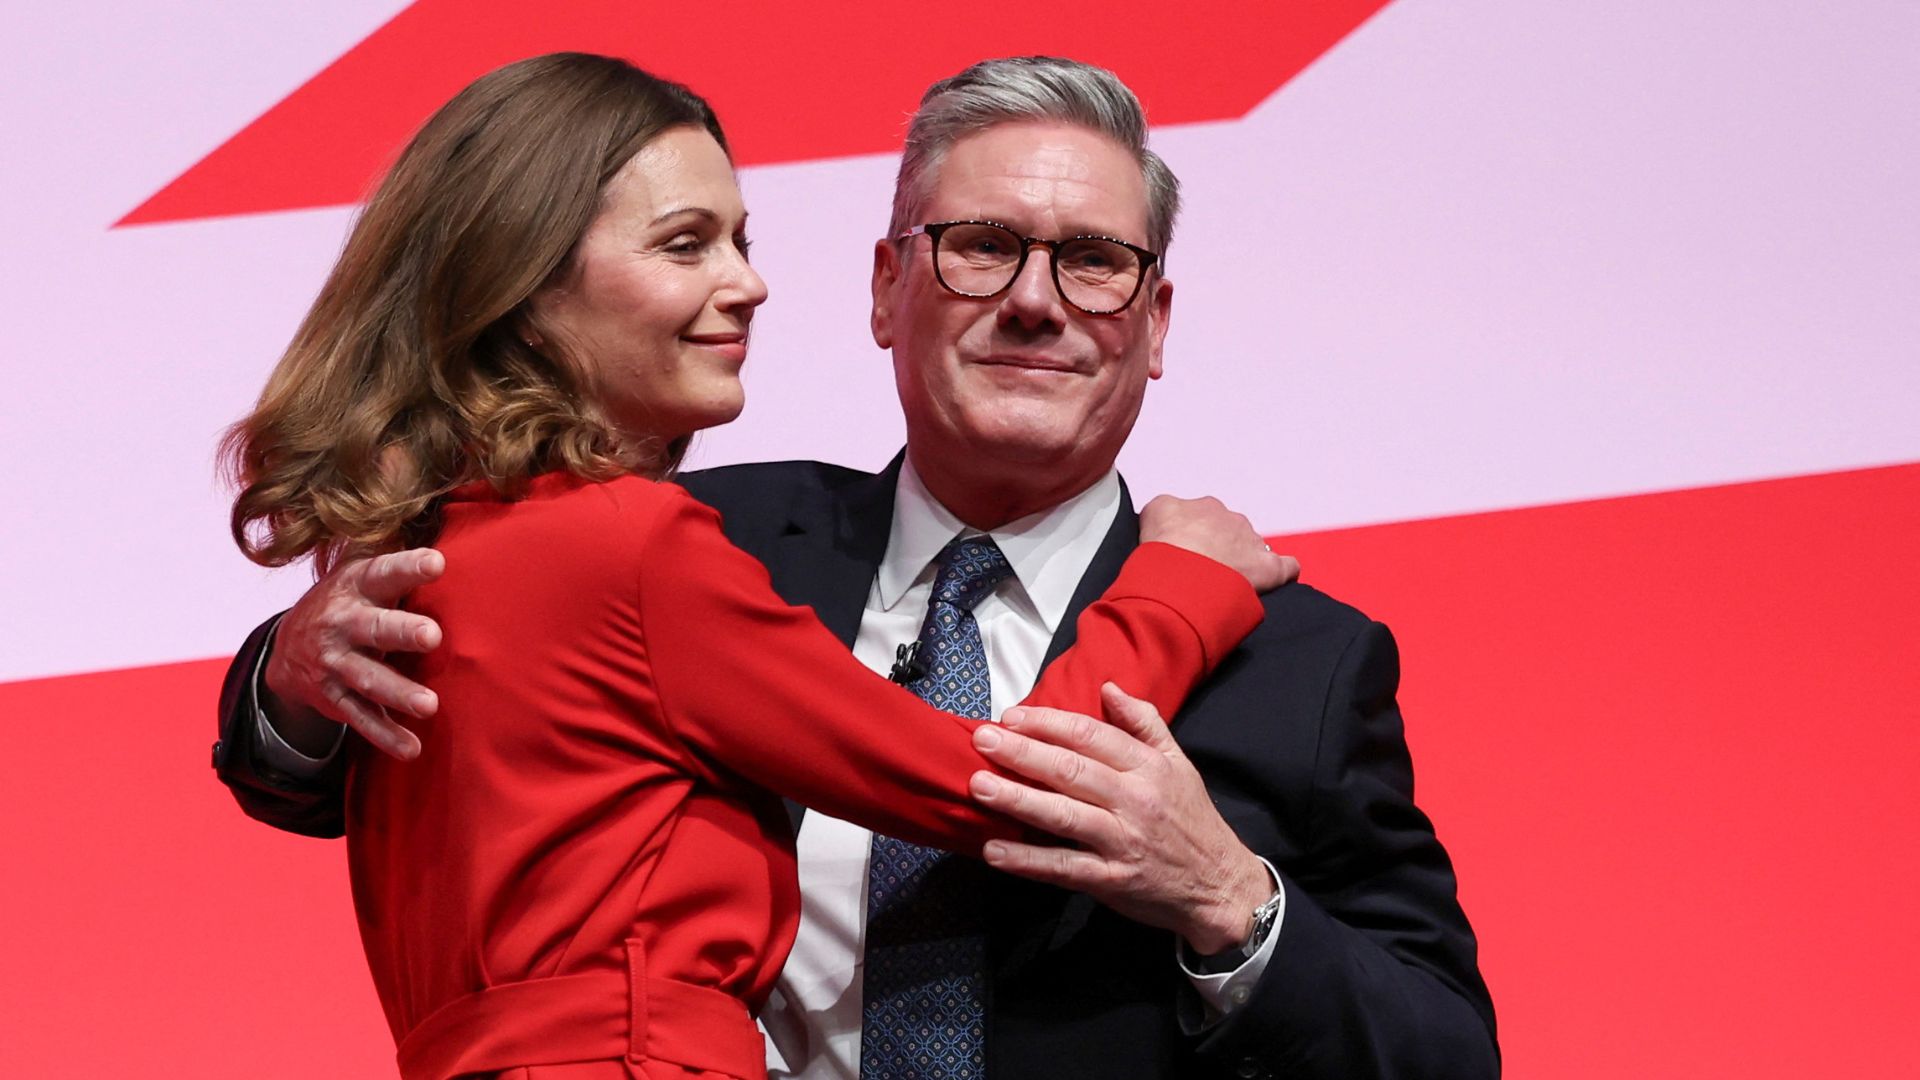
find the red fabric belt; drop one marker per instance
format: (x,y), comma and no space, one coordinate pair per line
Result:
(599,1016)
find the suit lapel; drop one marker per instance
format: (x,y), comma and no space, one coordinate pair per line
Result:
(1032,919)
(827,554)
(1122,537)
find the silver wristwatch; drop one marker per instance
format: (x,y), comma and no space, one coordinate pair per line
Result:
(1262,925)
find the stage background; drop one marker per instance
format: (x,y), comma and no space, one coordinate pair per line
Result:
(1575,341)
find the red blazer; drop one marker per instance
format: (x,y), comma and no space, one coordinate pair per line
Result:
(589,872)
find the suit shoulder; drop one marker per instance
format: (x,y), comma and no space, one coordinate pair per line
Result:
(1302,610)
(757,499)
(729,487)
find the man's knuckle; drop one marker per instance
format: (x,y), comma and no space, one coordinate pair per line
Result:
(1014,751)
(335,692)
(1068,816)
(1081,730)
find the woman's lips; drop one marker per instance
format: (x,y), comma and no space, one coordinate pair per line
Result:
(731,346)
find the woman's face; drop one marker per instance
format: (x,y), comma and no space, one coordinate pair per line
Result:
(655,304)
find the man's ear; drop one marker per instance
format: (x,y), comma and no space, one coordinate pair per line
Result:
(886,275)
(1159,300)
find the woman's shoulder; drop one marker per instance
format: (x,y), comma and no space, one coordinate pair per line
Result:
(566,547)
(560,514)
(628,496)
(636,507)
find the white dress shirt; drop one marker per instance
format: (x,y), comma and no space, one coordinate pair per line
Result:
(813,1019)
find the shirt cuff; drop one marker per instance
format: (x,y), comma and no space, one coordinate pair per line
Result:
(270,750)
(1228,990)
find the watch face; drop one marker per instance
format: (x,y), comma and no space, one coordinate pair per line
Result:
(1263,917)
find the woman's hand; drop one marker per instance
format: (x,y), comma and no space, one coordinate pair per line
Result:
(1207,527)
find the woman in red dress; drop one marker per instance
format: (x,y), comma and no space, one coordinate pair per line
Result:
(588,871)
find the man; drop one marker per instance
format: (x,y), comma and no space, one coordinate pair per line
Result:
(1261,899)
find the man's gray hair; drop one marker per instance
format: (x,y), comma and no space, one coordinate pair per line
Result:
(1023,88)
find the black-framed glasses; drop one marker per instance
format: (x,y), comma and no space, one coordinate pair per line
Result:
(1095,274)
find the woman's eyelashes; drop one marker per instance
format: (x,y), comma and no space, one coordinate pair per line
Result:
(694,243)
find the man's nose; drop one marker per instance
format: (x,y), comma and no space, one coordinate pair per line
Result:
(1032,300)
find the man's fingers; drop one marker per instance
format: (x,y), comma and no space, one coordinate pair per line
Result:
(372,723)
(383,687)
(1078,870)
(1046,810)
(387,630)
(1136,718)
(385,579)
(1100,741)
(1056,767)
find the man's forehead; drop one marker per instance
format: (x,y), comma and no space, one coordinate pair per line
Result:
(1064,173)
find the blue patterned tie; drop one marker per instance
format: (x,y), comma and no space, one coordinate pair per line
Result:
(924,1013)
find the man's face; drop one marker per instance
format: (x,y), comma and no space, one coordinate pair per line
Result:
(1022,381)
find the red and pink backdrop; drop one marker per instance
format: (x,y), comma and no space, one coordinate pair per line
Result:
(1575,341)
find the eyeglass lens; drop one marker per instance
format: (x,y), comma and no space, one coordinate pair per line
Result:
(1098,276)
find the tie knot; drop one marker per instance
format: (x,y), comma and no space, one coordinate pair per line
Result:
(968,569)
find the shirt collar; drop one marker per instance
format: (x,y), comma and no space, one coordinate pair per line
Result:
(1049,551)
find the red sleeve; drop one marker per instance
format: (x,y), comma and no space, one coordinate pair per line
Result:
(1161,627)
(759,688)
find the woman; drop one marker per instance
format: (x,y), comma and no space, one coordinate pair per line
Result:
(587,870)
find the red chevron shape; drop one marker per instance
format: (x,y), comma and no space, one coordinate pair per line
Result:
(793,82)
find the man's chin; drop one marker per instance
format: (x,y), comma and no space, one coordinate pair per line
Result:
(1032,442)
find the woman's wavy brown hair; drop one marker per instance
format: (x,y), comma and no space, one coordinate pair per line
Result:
(412,374)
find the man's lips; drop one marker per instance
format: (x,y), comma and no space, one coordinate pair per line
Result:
(1030,363)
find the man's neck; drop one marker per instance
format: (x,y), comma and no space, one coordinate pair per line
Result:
(986,498)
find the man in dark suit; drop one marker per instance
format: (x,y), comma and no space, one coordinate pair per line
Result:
(1261,898)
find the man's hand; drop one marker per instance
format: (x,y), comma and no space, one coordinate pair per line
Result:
(1207,527)
(326,669)
(1152,846)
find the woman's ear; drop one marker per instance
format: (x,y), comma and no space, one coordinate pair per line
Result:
(524,326)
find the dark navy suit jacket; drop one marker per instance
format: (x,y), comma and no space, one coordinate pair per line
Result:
(1300,741)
